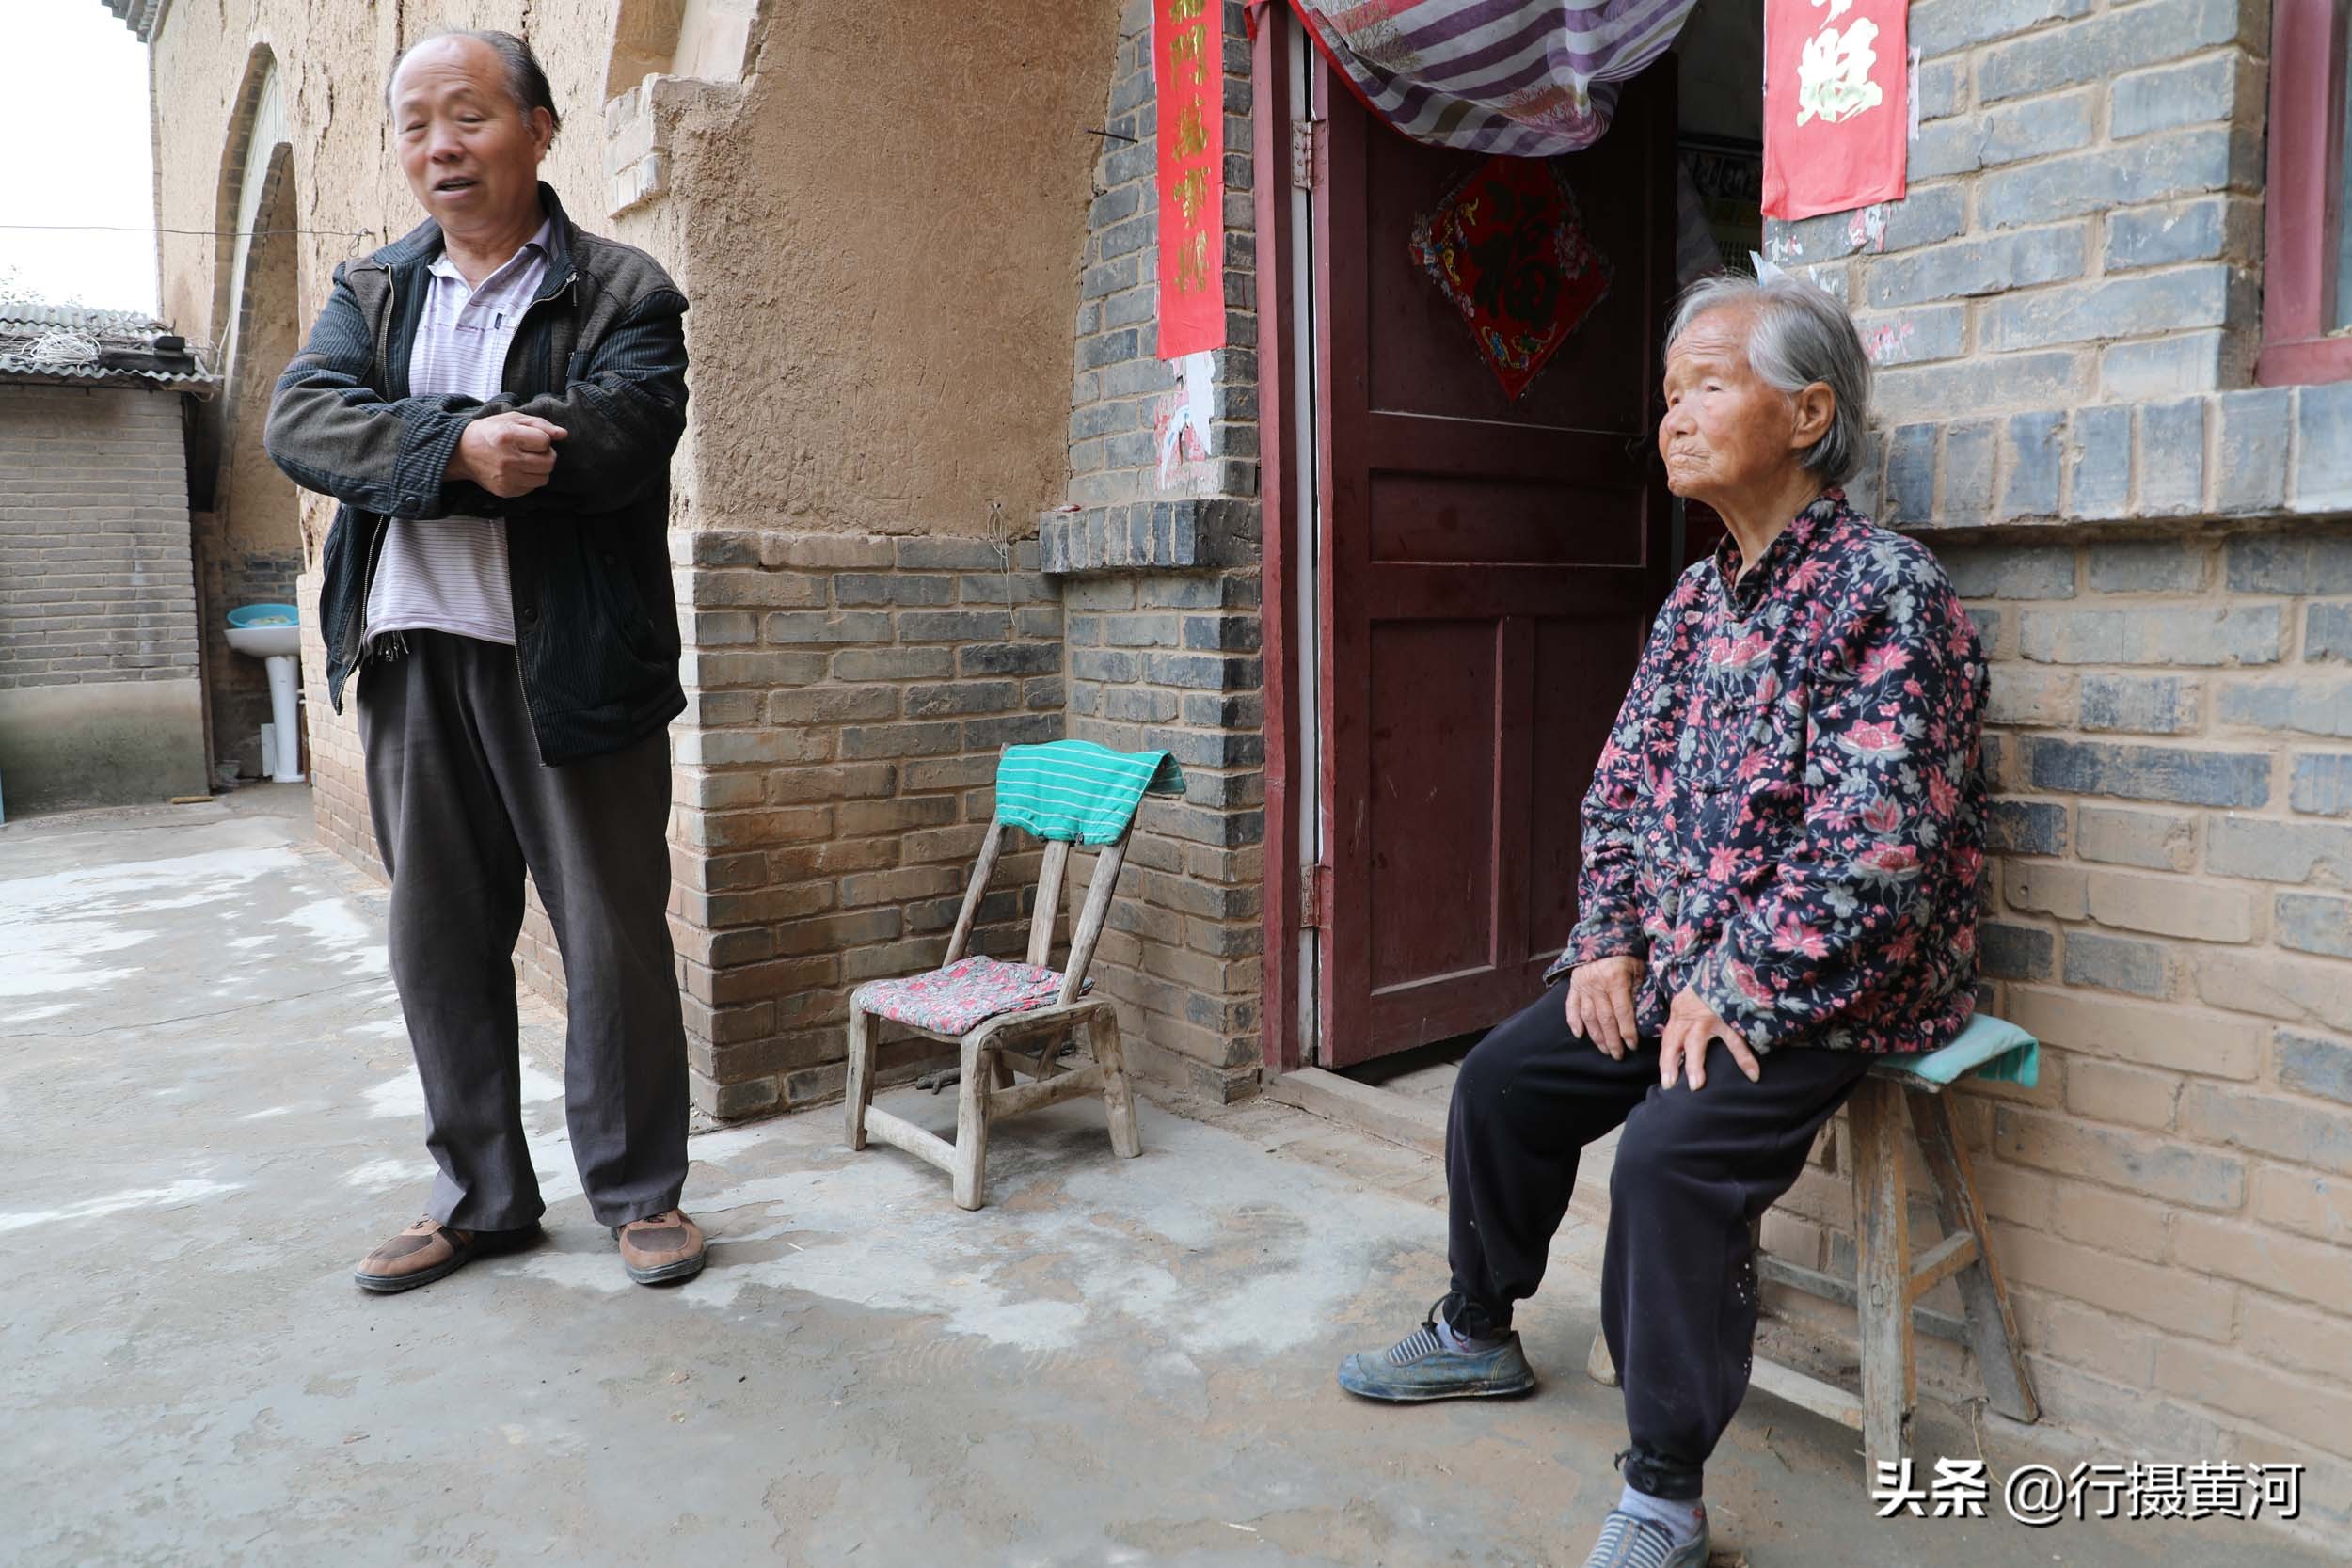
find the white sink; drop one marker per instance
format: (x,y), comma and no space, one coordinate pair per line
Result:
(273,634)
(265,642)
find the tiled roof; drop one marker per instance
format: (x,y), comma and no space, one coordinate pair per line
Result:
(101,347)
(140,16)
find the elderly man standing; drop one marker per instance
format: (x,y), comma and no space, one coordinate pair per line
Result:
(1781,853)
(494,399)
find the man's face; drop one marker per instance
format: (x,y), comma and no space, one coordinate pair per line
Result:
(1726,433)
(471,154)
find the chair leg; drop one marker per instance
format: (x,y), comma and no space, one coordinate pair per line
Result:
(1882,1271)
(860,1089)
(1991,1329)
(971,1172)
(1119,1099)
(1598,1365)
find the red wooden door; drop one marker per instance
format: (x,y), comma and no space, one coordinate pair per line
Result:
(1489,569)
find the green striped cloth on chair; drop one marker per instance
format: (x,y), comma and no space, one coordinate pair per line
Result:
(1076,790)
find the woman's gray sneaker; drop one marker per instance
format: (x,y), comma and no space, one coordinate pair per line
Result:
(1627,1542)
(1420,1367)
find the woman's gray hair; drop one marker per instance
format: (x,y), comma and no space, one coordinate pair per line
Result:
(526,78)
(1798,333)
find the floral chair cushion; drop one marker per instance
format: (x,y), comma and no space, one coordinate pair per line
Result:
(957,999)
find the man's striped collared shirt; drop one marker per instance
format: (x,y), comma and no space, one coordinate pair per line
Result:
(450,573)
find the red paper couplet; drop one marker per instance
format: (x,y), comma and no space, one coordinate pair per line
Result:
(1189,72)
(1837,105)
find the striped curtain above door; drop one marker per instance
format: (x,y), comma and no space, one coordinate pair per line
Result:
(1532,78)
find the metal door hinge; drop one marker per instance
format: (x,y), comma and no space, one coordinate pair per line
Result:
(1307,153)
(1314,896)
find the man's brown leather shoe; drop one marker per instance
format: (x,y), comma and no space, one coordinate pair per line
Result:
(429,1250)
(662,1249)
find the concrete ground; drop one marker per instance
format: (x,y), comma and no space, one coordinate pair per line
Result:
(210,1112)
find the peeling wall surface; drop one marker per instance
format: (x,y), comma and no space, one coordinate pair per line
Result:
(248,545)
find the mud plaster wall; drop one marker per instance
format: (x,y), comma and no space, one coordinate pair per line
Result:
(333,60)
(883,266)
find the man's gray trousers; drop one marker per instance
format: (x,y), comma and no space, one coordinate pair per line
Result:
(462,808)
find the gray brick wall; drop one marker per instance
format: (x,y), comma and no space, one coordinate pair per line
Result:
(2169,739)
(2083,221)
(1119,378)
(1169,662)
(834,773)
(95,578)
(1160,588)
(2066,314)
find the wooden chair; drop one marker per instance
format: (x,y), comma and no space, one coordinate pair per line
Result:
(1889,1279)
(1030,1042)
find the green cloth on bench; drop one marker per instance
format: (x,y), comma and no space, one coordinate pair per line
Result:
(1076,790)
(1990,1048)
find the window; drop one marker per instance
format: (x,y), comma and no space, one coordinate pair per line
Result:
(2307,294)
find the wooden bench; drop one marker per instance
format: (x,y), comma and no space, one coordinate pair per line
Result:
(1891,1275)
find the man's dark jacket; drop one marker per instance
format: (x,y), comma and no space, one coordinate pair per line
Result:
(601,352)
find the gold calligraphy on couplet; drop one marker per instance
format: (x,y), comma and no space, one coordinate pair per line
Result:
(1189,72)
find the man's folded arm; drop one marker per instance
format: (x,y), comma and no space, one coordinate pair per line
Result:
(332,430)
(622,418)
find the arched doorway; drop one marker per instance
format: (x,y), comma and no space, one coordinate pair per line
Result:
(248,541)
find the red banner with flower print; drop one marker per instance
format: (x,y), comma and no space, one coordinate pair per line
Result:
(1837,105)
(1188,74)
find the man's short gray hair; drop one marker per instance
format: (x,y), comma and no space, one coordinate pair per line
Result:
(526,78)
(1798,333)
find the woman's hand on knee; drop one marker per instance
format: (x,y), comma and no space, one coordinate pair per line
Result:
(1600,1003)
(1692,1026)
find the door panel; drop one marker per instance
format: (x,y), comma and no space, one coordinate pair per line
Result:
(1489,570)
(1445,672)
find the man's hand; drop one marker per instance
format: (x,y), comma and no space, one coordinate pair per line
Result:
(1691,1025)
(1600,1003)
(507,454)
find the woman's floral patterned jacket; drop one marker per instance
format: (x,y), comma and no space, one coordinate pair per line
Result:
(1789,816)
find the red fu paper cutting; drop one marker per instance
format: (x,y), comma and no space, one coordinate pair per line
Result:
(1837,105)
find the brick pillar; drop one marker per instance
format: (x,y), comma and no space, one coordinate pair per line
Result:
(835,768)
(1160,574)
(1169,662)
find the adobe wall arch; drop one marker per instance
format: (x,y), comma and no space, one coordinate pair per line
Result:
(248,539)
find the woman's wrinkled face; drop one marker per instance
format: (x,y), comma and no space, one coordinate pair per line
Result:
(471,154)
(1728,433)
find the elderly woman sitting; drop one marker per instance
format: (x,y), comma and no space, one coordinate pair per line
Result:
(1781,852)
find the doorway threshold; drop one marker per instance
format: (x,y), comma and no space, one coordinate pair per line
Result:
(1411,1120)
(1403,1100)
(1401,1096)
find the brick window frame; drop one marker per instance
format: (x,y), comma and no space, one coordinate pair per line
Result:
(2304,210)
